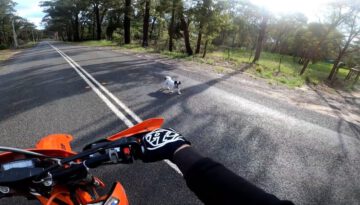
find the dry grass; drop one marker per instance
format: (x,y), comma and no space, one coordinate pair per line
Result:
(7,53)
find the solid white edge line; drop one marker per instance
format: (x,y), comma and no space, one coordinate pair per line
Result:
(111,106)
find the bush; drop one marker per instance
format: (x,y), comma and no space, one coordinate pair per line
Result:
(2,47)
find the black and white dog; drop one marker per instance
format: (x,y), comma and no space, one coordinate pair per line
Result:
(171,85)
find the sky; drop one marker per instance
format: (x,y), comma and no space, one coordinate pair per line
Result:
(31,10)
(311,8)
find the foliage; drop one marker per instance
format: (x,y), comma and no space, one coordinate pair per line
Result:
(98,43)
(288,41)
(25,31)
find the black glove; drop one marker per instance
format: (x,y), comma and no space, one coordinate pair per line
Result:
(161,144)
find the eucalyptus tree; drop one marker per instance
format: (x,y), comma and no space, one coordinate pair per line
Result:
(146,20)
(63,15)
(337,15)
(351,32)
(6,16)
(261,35)
(100,7)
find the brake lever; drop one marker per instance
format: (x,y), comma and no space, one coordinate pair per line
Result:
(113,155)
(129,141)
(85,154)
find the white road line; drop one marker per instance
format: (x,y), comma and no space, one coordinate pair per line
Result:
(122,105)
(102,96)
(117,112)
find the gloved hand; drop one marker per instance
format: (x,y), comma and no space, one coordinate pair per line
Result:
(161,144)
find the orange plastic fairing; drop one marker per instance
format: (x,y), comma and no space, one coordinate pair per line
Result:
(59,193)
(119,193)
(55,145)
(145,126)
(55,141)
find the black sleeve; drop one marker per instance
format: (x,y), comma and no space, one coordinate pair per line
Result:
(215,184)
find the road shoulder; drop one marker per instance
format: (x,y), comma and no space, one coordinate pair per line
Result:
(321,99)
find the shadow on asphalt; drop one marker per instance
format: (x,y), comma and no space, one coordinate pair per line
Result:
(336,110)
(253,145)
(341,162)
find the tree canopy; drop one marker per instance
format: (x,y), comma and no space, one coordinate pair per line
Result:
(195,26)
(10,22)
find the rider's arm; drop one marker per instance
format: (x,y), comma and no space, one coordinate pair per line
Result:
(215,184)
(211,181)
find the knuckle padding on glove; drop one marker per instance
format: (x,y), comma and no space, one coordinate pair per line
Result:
(161,144)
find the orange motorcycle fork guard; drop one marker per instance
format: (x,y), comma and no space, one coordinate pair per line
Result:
(143,127)
(63,196)
(55,141)
(58,194)
(117,196)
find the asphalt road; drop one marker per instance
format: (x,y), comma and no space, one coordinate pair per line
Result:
(296,154)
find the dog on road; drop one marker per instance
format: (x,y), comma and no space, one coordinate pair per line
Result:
(171,85)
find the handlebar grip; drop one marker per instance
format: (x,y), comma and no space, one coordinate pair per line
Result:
(96,161)
(78,171)
(128,150)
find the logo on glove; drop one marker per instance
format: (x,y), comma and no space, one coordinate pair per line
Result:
(161,137)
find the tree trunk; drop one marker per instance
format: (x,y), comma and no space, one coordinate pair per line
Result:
(341,54)
(260,40)
(306,63)
(145,42)
(62,36)
(205,48)
(98,23)
(335,67)
(127,22)
(185,28)
(316,48)
(76,28)
(82,28)
(68,33)
(171,27)
(233,40)
(14,34)
(93,28)
(275,47)
(198,44)
(152,28)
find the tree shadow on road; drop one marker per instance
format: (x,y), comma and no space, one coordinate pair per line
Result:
(337,111)
(325,193)
(249,151)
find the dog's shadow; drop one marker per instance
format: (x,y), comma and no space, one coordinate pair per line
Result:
(162,94)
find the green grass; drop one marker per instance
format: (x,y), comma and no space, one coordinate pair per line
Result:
(97,43)
(267,67)
(105,43)
(137,48)
(288,73)
(28,44)
(175,55)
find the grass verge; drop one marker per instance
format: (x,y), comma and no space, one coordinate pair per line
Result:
(269,66)
(7,53)
(97,43)
(28,45)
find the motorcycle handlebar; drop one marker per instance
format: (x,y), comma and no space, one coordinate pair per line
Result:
(123,152)
(78,170)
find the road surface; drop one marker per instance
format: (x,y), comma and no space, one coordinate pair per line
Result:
(296,154)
